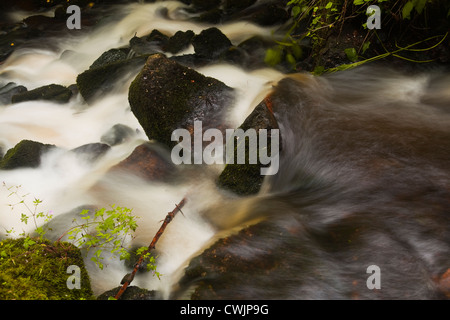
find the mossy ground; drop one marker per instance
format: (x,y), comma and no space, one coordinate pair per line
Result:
(38,271)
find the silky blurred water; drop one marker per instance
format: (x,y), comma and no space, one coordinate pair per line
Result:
(364,175)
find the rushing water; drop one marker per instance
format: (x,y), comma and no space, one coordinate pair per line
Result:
(364,175)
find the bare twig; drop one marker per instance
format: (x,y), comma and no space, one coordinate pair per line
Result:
(129,277)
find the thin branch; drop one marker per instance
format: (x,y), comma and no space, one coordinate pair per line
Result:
(129,277)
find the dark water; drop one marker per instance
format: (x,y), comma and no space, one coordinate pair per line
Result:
(364,180)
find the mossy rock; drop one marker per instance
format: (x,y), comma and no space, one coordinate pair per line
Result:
(37,270)
(246,179)
(26,154)
(102,77)
(166,96)
(51,92)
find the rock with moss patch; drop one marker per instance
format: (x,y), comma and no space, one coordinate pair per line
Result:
(246,179)
(132,293)
(26,154)
(166,96)
(32,269)
(51,92)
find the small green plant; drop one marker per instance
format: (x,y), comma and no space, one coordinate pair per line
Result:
(103,231)
(32,212)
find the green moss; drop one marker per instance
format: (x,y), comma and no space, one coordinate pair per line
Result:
(26,153)
(38,271)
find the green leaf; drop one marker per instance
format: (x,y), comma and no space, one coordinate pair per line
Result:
(406,11)
(297,51)
(365,46)
(351,53)
(329,5)
(358,2)
(273,56)
(290,58)
(295,11)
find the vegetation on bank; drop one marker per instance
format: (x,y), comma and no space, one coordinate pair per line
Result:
(324,34)
(35,268)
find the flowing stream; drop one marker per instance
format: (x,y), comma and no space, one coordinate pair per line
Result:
(365,156)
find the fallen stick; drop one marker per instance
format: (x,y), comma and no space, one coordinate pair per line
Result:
(130,276)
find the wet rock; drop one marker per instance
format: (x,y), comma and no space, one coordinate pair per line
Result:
(118,134)
(51,92)
(211,43)
(246,179)
(26,154)
(140,46)
(110,56)
(240,260)
(102,79)
(132,293)
(92,151)
(157,37)
(179,41)
(9,90)
(147,161)
(166,96)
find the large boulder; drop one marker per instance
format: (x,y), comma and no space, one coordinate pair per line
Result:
(166,96)
(26,154)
